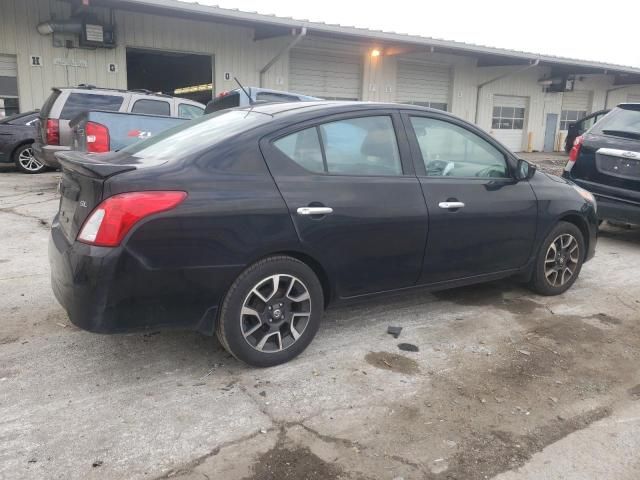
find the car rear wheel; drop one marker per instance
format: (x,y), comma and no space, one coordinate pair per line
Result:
(26,161)
(559,260)
(271,312)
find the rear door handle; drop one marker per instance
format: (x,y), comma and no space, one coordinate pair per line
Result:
(314,210)
(448,205)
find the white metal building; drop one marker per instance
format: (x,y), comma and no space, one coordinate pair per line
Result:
(525,100)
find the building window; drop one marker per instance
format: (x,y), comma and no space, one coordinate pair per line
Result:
(508,118)
(8,107)
(434,105)
(569,116)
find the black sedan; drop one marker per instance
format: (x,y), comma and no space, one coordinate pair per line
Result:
(248,223)
(16,138)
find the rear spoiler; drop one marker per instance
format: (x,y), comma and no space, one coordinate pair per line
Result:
(84,164)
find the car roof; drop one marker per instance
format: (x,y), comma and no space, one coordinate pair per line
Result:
(332,106)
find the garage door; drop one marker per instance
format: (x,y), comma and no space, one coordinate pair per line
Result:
(332,76)
(633,98)
(507,123)
(575,106)
(8,85)
(423,84)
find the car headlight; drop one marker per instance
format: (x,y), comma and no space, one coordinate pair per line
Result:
(588,196)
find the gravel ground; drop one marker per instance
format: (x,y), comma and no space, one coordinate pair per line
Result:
(505,384)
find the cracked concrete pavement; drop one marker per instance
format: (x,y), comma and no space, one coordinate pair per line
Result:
(505,384)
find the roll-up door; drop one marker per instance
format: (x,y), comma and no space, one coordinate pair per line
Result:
(633,98)
(8,85)
(423,84)
(508,120)
(328,75)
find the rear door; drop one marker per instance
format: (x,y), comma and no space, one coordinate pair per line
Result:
(353,197)
(481,220)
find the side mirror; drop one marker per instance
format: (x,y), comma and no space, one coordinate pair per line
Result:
(525,170)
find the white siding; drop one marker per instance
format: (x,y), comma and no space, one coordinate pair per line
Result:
(423,83)
(633,98)
(578,100)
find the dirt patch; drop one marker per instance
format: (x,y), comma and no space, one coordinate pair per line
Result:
(7,340)
(489,295)
(482,456)
(282,463)
(635,392)
(392,362)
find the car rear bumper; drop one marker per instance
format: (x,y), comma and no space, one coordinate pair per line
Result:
(108,290)
(47,154)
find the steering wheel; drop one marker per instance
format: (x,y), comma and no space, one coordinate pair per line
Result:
(491,171)
(439,168)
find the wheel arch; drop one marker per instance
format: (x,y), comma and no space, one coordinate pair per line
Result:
(581,223)
(21,143)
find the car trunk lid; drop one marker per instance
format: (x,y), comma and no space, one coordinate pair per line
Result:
(81,187)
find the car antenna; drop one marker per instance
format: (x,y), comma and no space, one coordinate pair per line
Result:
(251,102)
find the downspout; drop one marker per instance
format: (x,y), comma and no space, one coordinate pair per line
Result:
(285,49)
(500,77)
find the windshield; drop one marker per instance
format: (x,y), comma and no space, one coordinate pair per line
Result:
(196,135)
(621,122)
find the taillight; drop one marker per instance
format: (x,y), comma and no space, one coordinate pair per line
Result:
(53,131)
(574,153)
(223,94)
(110,222)
(97,136)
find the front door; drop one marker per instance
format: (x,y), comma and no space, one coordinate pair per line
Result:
(354,199)
(481,220)
(550,132)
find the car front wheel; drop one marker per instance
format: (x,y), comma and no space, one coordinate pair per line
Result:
(559,260)
(271,312)
(26,161)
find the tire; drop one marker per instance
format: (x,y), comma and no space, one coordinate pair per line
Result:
(567,262)
(269,299)
(25,161)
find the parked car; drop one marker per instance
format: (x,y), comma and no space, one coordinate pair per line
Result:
(54,132)
(17,134)
(98,131)
(576,129)
(606,161)
(239,98)
(250,222)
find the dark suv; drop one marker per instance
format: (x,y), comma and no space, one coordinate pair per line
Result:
(606,161)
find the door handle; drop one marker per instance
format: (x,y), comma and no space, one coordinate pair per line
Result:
(451,205)
(314,210)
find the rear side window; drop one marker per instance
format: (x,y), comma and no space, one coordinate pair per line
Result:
(82,102)
(152,107)
(186,110)
(48,104)
(357,146)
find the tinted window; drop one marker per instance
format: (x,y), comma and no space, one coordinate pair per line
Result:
(275,97)
(622,122)
(229,100)
(361,146)
(452,151)
(152,107)
(186,110)
(303,148)
(195,136)
(82,102)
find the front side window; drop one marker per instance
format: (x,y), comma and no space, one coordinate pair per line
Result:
(508,118)
(568,117)
(152,107)
(186,110)
(83,102)
(357,146)
(449,150)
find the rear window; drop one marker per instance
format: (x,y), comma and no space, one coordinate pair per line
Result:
(222,103)
(152,107)
(48,104)
(620,122)
(82,102)
(196,135)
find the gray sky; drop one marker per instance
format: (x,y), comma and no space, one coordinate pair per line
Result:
(604,31)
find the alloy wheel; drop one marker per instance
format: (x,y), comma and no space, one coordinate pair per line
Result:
(275,313)
(562,260)
(28,161)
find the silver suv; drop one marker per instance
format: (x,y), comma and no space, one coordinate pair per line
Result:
(55,135)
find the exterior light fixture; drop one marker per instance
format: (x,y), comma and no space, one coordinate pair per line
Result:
(375,52)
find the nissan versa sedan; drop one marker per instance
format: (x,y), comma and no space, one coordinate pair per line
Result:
(248,223)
